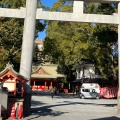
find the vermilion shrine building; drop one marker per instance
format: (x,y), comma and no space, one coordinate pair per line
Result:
(42,78)
(45,77)
(11,79)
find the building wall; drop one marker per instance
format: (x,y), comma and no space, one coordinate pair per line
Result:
(85,71)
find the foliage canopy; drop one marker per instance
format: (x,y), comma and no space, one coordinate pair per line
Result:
(11,32)
(71,43)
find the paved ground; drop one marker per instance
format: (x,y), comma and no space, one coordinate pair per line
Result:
(63,107)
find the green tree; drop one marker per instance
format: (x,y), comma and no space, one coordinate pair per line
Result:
(11,33)
(77,42)
(106,36)
(10,41)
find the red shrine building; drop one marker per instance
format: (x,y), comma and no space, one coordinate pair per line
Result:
(45,77)
(13,81)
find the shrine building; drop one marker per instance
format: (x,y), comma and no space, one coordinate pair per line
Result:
(45,77)
(13,81)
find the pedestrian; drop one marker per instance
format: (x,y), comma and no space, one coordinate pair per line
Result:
(55,89)
(52,91)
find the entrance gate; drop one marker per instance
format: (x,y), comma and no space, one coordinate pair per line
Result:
(31,13)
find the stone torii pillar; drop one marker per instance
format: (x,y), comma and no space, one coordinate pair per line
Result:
(27,49)
(118,108)
(28,39)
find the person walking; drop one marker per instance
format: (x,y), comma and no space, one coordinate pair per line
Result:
(52,91)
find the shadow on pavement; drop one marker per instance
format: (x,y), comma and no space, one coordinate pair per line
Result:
(46,109)
(42,111)
(66,96)
(38,110)
(35,103)
(108,118)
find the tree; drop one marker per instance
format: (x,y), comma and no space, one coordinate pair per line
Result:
(63,33)
(11,32)
(10,41)
(106,36)
(76,42)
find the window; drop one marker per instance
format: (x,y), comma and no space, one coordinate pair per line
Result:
(85,90)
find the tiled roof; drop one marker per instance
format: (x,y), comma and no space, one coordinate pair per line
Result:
(9,67)
(49,71)
(39,41)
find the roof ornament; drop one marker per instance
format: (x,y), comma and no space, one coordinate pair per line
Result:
(9,65)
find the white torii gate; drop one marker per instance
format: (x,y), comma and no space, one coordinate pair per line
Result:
(31,13)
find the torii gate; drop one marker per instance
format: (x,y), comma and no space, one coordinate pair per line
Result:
(31,13)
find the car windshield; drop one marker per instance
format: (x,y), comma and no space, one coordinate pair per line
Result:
(89,90)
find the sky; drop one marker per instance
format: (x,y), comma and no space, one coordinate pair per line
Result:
(50,3)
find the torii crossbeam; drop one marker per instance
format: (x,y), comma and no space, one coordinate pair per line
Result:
(76,16)
(31,13)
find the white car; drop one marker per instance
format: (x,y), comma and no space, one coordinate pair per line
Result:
(88,93)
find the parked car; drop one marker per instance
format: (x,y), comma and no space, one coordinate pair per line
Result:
(88,93)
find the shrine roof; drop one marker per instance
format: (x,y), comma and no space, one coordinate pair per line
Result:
(47,71)
(84,64)
(9,71)
(42,76)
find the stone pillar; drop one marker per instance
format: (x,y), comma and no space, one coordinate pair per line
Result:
(45,85)
(78,7)
(77,73)
(50,84)
(34,85)
(28,39)
(27,50)
(118,109)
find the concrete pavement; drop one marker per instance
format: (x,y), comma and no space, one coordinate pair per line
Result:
(63,107)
